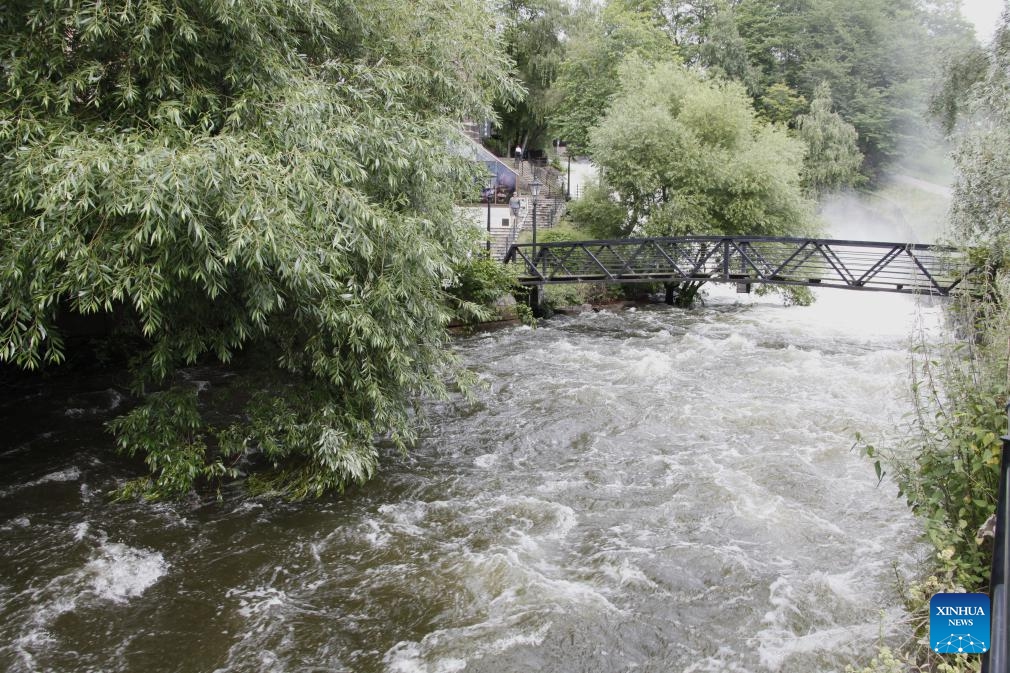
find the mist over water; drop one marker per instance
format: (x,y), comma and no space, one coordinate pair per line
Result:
(904,210)
(648,490)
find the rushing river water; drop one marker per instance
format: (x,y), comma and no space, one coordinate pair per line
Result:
(644,490)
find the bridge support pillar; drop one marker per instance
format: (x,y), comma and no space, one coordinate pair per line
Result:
(537,302)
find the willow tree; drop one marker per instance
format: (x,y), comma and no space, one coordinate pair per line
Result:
(833,156)
(683,155)
(225,180)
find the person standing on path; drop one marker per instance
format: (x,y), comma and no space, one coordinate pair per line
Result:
(515,205)
(519,155)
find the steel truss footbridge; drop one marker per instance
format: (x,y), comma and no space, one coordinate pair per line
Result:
(910,268)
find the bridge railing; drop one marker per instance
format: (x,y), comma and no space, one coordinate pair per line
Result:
(863,265)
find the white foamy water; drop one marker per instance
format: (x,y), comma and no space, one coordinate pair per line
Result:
(118,572)
(652,490)
(69,474)
(705,461)
(113,574)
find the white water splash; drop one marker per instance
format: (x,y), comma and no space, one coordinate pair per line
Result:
(120,572)
(115,574)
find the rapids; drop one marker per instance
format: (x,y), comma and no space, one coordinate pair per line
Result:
(646,490)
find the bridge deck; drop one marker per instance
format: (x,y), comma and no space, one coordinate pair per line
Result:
(911,268)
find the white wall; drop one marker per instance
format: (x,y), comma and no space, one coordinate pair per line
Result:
(478,215)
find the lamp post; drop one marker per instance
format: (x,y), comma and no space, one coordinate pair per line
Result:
(492,179)
(535,191)
(568,185)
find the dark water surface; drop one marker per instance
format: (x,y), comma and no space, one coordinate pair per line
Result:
(650,490)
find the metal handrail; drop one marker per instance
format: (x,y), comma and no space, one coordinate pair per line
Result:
(558,207)
(512,237)
(997,659)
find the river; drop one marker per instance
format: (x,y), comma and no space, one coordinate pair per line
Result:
(648,490)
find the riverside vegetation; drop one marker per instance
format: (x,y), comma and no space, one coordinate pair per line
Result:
(948,467)
(269,186)
(265,184)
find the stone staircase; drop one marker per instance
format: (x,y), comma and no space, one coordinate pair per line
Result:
(550,206)
(501,239)
(549,211)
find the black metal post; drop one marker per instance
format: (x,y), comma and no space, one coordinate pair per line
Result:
(997,659)
(535,192)
(534,232)
(568,186)
(489,225)
(492,191)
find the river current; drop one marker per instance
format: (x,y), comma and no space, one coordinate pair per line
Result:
(647,489)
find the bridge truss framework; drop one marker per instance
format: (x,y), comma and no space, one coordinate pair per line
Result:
(910,268)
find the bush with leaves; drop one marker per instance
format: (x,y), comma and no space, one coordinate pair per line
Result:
(597,214)
(948,472)
(263,176)
(479,283)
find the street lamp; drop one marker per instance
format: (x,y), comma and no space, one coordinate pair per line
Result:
(492,179)
(535,191)
(568,188)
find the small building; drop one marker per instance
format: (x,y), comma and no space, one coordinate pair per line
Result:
(490,210)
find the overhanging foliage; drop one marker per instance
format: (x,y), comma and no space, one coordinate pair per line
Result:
(227,175)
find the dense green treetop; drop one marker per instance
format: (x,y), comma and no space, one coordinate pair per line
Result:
(263,177)
(952,97)
(723,52)
(684,155)
(980,211)
(780,104)
(532,33)
(878,57)
(588,78)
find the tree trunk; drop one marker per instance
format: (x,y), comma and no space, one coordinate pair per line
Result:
(687,294)
(682,295)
